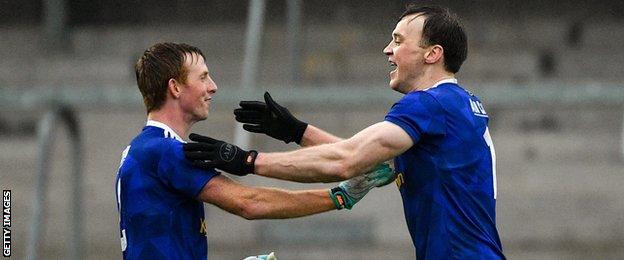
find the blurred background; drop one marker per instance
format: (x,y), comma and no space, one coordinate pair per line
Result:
(549,73)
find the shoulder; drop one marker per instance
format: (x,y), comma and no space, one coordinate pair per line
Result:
(447,90)
(417,101)
(157,144)
(451,95)
(419,95)
(152,145)
(167,147)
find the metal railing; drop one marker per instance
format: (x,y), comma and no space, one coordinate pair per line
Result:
(255,25)
(46,131)
(332,95)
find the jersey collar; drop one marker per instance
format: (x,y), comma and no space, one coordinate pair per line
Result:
(169,133)
(444,81)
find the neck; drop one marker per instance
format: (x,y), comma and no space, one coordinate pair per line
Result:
(429,79)
(176,121)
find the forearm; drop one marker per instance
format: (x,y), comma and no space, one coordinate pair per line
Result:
(262,203)
(271,203)
(322,163)
(315,136)
(336,161)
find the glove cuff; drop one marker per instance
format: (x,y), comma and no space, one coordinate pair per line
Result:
(340,198)
(299,130)
(250,161)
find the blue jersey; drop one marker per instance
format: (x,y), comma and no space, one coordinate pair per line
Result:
(160,217)
(447,179)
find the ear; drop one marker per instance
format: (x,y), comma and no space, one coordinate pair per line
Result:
(434,54)
(174,88)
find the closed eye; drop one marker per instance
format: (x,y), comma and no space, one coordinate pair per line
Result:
(396,38)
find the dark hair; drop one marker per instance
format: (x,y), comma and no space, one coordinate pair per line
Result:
(158,64)
(442,27)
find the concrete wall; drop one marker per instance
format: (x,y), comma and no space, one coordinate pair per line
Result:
(559,194)
(559,167)
(499,51)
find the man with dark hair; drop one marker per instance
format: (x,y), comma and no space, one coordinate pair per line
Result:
(437,134)
(160,194)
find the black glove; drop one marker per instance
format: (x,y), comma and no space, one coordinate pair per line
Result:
(210,153)
(270,118)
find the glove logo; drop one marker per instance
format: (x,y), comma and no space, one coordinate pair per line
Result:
(227,152)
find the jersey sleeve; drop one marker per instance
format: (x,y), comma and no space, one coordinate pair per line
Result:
(176,171)
(418,114)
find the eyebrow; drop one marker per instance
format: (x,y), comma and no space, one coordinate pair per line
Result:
(203,74)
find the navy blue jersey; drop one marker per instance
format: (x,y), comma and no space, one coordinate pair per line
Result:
(447,179)
(160,217)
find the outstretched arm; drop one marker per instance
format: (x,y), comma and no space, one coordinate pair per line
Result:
(260,202)
(337,161)
(323,163)
(263,203)
(314,136)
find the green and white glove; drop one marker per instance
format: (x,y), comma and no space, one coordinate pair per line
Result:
(270,256)
(349,192)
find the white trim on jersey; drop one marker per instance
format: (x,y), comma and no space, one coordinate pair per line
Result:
(490,144)
(444,81)
(169,133)
(119,195)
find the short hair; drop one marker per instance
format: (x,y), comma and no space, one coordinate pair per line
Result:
(442,27)
(158,64)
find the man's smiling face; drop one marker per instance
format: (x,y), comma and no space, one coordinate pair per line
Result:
(406,54)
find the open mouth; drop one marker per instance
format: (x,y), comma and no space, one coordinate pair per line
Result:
(393,66)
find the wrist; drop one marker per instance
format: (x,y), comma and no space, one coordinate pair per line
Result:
(309,136)
(259,163)
(340,198)
(249,161)
(300,129)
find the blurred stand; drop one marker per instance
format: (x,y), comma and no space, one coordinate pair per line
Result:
(549,73)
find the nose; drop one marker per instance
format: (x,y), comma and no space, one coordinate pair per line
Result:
(212,86)
(388,49)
